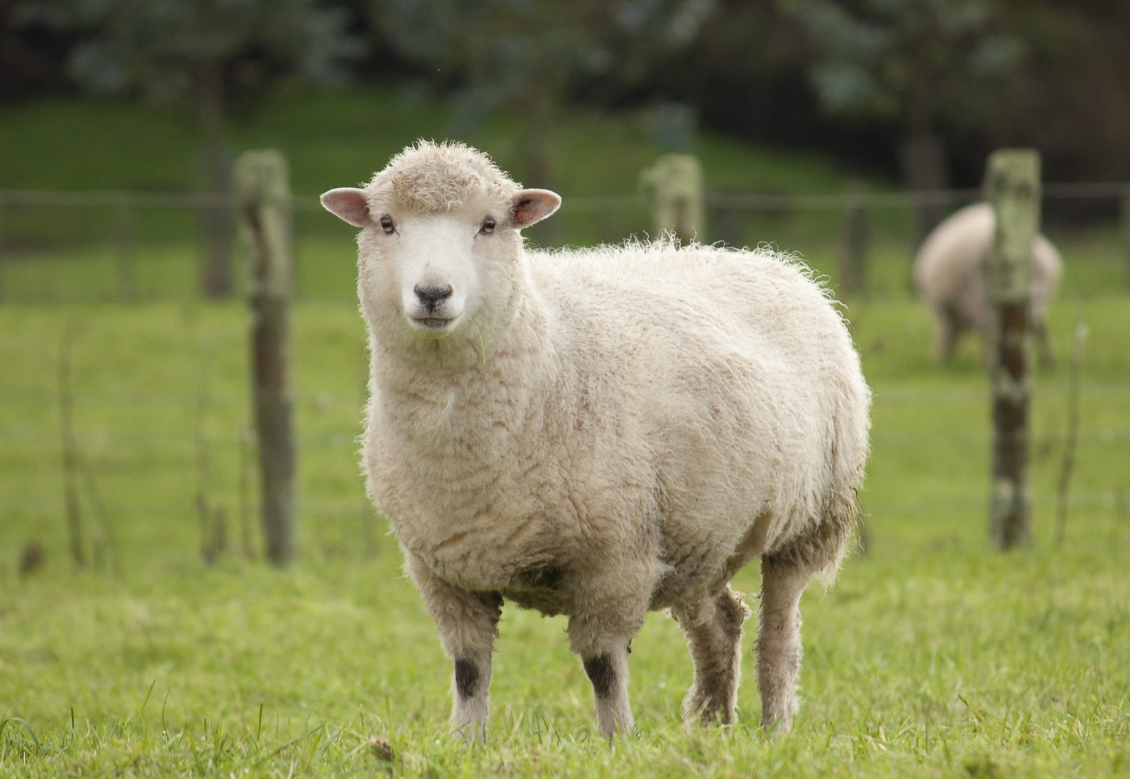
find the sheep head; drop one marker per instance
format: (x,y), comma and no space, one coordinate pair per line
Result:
(439,246)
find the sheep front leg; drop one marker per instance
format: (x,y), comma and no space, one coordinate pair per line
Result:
(778,641)
(607,670)
(602,636)
(467,623)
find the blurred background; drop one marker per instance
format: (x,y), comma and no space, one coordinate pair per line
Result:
(841,131)
(121,119)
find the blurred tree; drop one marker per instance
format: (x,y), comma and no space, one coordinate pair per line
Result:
(200,54)
(912,62)
(525,56)
(1070,98)
(29,59)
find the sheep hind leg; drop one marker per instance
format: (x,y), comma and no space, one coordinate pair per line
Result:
(778,641)
(715,646)
(1043,344)
(947,329)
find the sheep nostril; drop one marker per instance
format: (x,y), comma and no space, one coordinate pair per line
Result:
(429,296)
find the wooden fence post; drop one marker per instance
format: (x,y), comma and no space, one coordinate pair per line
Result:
(264,206)
(1012,186)
(674,188)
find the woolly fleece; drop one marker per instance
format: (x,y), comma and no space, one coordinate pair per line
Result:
(602,432)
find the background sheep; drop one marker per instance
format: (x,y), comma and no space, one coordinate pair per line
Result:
(950,276)
(598,433)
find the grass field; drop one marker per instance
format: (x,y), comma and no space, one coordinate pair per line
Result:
(933,656)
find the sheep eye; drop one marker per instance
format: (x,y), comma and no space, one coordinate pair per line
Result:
(387,225)
(488,225)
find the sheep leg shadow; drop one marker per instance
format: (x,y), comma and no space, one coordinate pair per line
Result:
(715,646)
(778,642)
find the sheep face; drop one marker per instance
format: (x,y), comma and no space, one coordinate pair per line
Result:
(445,261)
(425,275)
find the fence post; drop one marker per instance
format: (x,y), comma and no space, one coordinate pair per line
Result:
(264,201)
(1012,186)
(674,188)
(855,240)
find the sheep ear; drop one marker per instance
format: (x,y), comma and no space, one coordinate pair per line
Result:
(348,204)
(533,205)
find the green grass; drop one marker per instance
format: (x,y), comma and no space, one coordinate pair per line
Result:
(933,655)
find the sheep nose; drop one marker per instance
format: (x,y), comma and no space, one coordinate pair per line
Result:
(429,296)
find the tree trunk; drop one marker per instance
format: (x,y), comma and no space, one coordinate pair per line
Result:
(537,106)
(924,160)
(217,225)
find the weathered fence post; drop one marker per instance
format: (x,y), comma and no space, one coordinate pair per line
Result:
(674,188)
(855,240)
(1012,186)
(264,210)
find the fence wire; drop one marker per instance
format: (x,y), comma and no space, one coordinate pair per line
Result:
(113,242)
(107,245)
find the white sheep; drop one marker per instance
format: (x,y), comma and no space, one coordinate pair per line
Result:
(598,433)
(950,276)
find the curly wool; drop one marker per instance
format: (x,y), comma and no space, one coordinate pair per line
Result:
(431,178)
(604,432)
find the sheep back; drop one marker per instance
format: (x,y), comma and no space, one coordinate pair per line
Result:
(951,265)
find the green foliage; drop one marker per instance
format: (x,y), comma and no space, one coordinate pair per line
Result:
(159,48)
(524,56)
(895,58)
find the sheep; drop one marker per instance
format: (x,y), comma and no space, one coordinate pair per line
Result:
(950,276)
(598,433)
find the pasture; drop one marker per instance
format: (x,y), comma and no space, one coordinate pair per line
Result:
(933,655)
(176,649)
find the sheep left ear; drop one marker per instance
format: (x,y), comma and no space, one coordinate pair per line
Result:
(348,204)
(533,205)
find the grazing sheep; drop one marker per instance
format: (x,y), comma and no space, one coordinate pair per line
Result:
(598,433)
(950,275)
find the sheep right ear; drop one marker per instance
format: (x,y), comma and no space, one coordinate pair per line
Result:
(533,205)
(348,204)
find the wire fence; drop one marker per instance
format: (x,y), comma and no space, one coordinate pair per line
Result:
(112,245)
(123,452)
(133,246)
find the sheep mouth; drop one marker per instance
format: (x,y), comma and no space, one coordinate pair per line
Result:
(434,323)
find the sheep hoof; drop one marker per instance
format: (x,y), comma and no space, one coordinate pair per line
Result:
(471,733)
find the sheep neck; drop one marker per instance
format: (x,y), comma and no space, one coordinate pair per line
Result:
(471,399)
